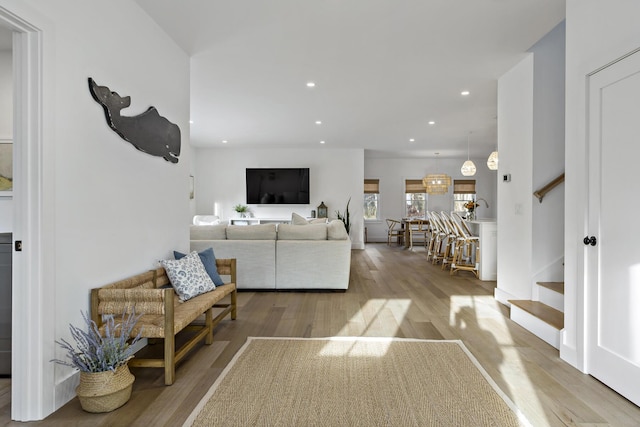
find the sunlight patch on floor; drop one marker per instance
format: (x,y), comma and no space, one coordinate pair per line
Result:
(478,318)
(380,314)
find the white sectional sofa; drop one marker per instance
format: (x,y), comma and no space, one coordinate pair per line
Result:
(283,256)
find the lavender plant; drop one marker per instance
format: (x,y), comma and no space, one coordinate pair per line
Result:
(96,352)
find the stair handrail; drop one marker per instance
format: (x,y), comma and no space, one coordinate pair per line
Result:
(550,186)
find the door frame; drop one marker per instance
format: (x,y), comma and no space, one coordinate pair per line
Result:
(590,268)
(32,383)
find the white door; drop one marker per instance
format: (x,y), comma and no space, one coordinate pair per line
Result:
(613,264)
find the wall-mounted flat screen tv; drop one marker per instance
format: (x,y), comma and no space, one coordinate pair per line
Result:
(284,186)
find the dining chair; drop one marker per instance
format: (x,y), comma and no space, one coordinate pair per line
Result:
(440,239)
(467,252)
(462,222)
(453,238)
(418,227)
(394,230)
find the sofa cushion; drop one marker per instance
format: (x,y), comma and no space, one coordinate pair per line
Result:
(251,232)
(309,232)
(298,219)
(209,261)
(336,230)
(208,232)
(188,276)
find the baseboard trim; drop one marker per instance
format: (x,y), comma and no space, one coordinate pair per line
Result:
(66,390)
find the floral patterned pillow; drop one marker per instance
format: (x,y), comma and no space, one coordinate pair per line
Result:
(188,276)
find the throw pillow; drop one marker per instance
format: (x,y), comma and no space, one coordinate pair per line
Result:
(336,230)
(188,276)
(298,219)
(209,261)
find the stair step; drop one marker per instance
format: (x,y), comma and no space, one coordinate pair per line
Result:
(542,311)
(554,286)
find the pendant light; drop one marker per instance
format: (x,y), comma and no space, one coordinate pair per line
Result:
(436,183)
(468,168)
(492,161)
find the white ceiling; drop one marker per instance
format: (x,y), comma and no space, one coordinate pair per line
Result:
(383,69)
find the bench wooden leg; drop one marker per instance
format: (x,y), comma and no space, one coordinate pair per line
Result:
(169,358)
(234,304)
(208,324)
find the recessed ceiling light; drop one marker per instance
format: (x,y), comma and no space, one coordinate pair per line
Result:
(412,140)
(311,84)
(465,93)
(321,142)
(318,122)
(432,123)
(224,141)
(191,121)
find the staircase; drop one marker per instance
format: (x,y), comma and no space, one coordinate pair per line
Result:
(543,316)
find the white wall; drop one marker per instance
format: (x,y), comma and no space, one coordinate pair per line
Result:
(6,129)
(515,148)
(531,147)
(597,33)
(392,173)
(548,155)
(111,210)
(6,94)
(335,176)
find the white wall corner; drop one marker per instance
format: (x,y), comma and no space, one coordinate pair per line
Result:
(569,354)
(66,390)
(503,297)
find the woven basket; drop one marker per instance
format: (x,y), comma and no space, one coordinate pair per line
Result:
(105,391)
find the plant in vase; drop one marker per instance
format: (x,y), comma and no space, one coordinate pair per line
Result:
(346,217)
(105,380)
(471,206)
(242,210)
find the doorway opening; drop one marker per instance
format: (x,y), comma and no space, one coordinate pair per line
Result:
(32,381)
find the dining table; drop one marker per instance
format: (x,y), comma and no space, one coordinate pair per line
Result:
(405,225)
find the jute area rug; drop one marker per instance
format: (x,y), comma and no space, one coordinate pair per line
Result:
(354,382)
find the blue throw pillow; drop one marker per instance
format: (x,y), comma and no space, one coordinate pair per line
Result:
(209,260)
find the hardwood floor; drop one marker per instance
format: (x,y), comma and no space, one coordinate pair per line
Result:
(393,292)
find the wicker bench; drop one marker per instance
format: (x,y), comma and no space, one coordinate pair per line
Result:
(162,313)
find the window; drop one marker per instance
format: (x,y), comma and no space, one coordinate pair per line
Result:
(371,199)
(464,190)
(415,198)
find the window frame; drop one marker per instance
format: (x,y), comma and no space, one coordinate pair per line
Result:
(414,187)
(464,190)
(371,186)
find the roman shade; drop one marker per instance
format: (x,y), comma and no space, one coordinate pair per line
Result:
(371,186)
(413,186)
(464,186)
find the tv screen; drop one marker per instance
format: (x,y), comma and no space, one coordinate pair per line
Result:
(278,186)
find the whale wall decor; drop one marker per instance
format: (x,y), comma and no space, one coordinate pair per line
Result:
(148,132)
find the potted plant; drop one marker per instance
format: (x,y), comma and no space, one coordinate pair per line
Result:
(345,217)
(105,380)
(241,209)
(471,206)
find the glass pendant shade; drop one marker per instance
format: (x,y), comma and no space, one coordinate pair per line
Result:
(468,168)
(492,161)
